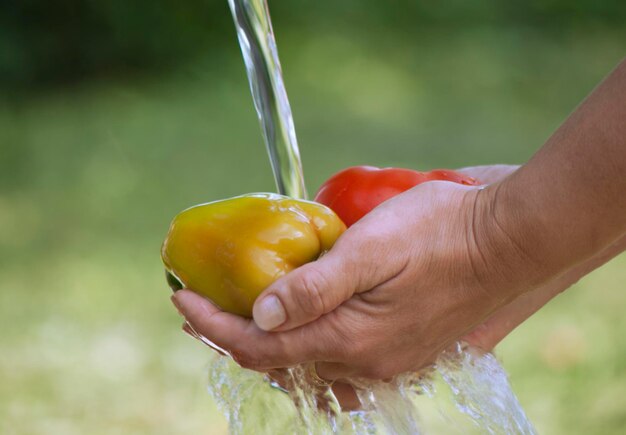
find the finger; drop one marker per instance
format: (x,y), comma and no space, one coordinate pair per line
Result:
(344,392)
(281,379)
(202,317)
(489,174)
(346,396)
(352,266)
(250,346)
(188,329)
(317,288)
(385,369)
(332,371)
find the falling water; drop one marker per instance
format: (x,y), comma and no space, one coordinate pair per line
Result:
(256,38)
(467,391)
(471,380)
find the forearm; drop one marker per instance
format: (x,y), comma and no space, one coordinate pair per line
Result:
(569,201)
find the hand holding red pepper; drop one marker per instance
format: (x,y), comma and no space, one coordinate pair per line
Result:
(427,266)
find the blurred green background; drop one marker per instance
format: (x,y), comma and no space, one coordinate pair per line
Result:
(115,115)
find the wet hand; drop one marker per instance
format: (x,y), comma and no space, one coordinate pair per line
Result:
(399,286)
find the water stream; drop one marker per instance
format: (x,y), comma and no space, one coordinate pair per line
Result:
(258,46)
(467,389)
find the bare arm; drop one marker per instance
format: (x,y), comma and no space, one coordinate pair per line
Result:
(569,201)
(425,268)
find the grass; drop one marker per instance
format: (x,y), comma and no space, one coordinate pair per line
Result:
(91,175)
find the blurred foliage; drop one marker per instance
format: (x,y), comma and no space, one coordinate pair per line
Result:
(51,42)
(44,43)
(116,115)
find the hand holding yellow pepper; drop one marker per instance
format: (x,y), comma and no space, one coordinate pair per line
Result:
(231,250)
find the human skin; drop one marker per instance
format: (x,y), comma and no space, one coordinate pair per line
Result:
(493,330)
(441,261)
(488,334)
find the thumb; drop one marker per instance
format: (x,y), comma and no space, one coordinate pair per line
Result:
(307,293)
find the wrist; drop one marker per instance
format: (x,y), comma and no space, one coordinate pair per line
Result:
(512,244)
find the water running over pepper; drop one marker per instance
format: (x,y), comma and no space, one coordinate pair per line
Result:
(476,382)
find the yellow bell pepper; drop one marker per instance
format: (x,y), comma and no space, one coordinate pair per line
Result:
(231,250)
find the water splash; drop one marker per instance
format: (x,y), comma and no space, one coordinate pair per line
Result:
(482,391)
(473,380)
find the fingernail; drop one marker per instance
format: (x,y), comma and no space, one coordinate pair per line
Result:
(269,313)
(177,305)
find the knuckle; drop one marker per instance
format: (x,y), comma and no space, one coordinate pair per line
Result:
(246,360)
(310,299)
(277,350)
(282,351)
(379,370)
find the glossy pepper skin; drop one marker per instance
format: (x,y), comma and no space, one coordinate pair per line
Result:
(231,250)
(355,191)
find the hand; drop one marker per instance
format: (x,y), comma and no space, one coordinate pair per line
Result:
(504,320)
(424,268)
(363,317)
